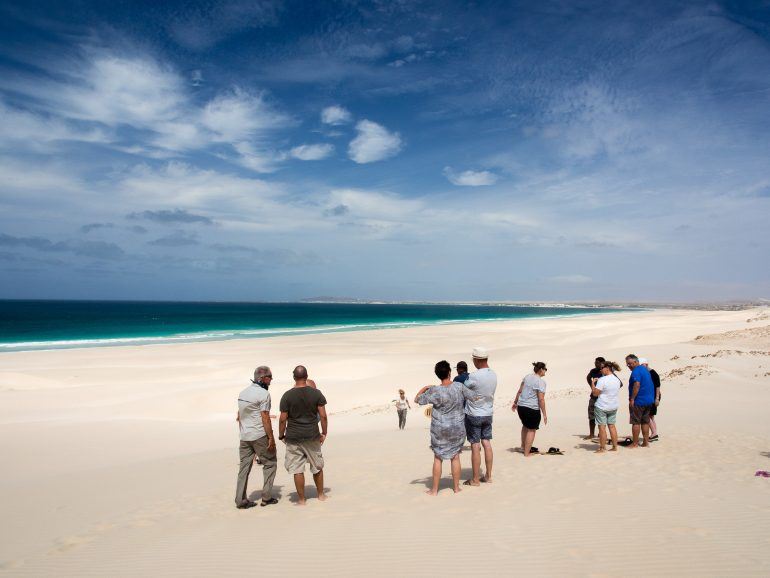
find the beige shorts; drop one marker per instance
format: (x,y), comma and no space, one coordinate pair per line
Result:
(300,453)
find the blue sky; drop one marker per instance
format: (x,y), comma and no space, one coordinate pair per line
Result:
(386,150)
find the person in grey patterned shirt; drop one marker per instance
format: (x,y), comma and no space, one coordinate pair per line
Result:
(447,423)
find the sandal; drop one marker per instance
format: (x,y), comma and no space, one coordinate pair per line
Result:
(555,452)
(269,502)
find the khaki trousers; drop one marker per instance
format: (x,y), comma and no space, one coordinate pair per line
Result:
(269,461)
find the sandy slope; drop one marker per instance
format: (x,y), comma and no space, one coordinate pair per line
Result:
(122,461)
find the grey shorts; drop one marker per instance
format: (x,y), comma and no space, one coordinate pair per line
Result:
(305,452)
(608,417)
(478,428)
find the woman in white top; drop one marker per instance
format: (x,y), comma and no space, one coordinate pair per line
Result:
(529,404)
(606,389)
(402,405)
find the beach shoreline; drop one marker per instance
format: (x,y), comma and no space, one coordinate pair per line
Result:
(122,460)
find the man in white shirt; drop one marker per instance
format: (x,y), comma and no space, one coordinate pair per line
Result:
(478,415)
(256,433)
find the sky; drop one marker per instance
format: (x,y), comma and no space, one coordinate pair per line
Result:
(399,150)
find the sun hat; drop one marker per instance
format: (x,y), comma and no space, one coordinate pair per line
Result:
(480,353)
(643,360)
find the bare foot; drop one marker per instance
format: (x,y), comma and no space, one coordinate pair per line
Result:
(600,451)
(471,483)
(614,449)
(301,502)
(645,445)
(431,493)
(457,490)
(486,479)
(322,497)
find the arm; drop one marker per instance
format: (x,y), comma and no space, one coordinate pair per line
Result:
(324,422)
(516,400)
(541,401)
(282,425)
(595,391)
(419,393)
(634,393)
(268,430)
(407,403)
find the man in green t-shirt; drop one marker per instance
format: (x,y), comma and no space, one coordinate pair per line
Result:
(301,408)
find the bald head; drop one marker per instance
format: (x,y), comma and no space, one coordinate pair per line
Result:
(300,373)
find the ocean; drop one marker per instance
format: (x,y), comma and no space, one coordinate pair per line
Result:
(29,325)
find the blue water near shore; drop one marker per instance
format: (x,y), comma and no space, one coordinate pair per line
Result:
(29,325)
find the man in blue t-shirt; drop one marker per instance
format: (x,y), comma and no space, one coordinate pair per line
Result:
(641,396)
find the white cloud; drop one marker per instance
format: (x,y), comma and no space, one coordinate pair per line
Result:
(373,143)
(336,115)
(115,90)
(238,116)
(470,178)
(35,131)
(312,152)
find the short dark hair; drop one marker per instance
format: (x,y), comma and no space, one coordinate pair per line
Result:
(600,359)
(538,365)
(443,370)
(462,366)
(300,372)
(632,356)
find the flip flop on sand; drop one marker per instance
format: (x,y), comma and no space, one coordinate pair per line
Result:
(534,450)
(626,442)
(654,438)
(555,452)
(269,502)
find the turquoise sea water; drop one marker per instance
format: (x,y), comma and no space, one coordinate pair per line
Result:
(26,325)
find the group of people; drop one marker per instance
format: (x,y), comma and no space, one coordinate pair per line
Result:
(303,408)
(461,408)
(643,401)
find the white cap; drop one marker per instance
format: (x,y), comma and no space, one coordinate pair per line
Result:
(643,360)
(480,353)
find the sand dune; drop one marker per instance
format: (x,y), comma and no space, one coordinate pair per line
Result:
(122,461)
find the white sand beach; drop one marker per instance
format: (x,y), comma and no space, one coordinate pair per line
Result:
(122,461)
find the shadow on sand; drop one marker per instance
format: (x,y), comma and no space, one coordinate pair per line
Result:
(446,479)
(310,493)
(256,495)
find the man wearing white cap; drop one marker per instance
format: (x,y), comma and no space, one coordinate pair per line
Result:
(478,415)
(654,408)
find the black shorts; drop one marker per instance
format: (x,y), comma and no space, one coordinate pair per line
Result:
(530,418)
(653,409)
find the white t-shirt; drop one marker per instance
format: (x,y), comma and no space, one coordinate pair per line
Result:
(402,404)
(532,384)
(609,385)
(483,383)
(252,401)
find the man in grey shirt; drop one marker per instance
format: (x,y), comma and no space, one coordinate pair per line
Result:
(256,433)
(478,415)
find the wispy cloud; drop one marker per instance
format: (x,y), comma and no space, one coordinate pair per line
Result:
(172,216)
(176,239)
(373,143)
(312,152)
(336,115)
(470,178)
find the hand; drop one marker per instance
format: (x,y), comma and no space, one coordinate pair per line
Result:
(630,403)
(545,420)
(323,438)
(513,407)
(282,438)
(657,403)
(271,445)
(594,380)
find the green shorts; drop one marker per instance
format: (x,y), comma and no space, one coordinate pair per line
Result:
(605,417)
